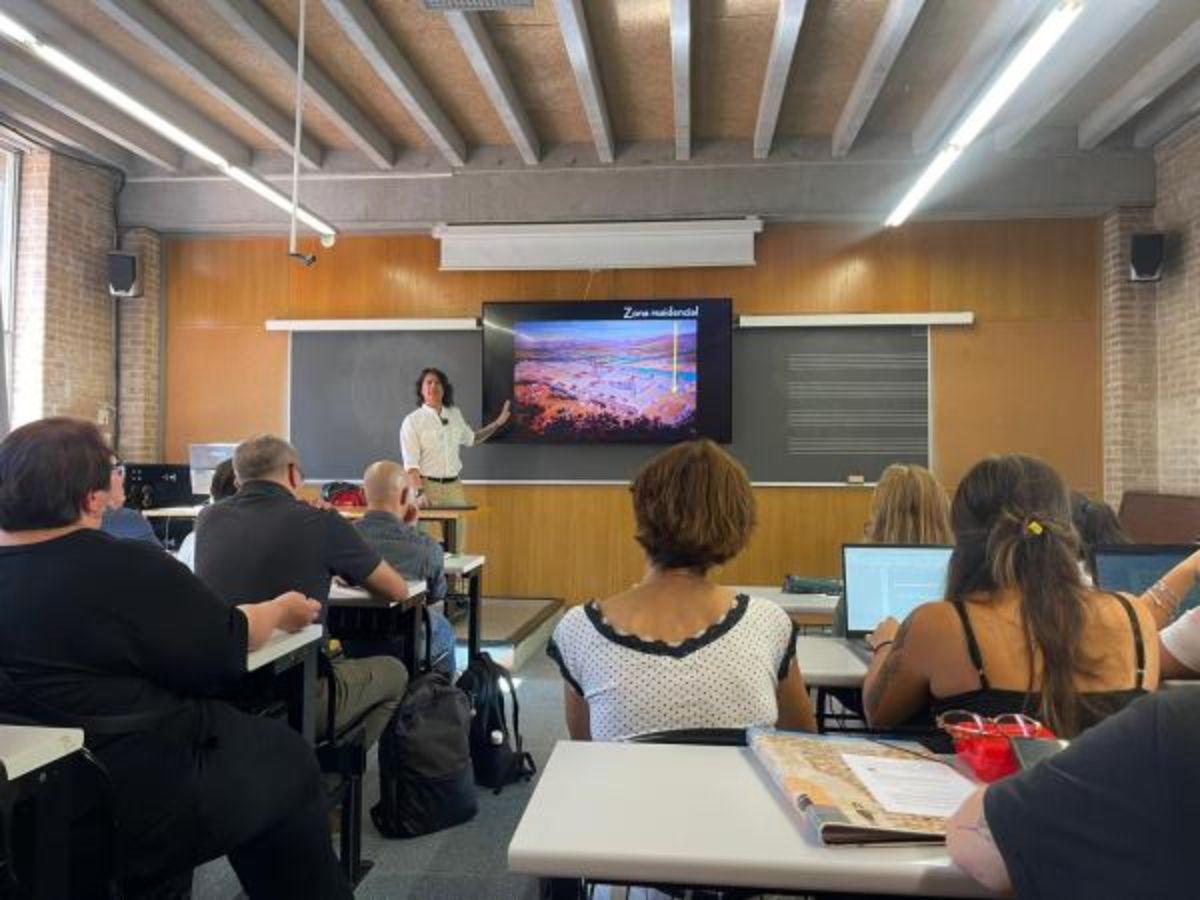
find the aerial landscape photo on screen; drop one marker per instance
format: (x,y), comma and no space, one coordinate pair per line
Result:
(605,380)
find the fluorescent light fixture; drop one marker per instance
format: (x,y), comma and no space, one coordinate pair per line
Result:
(1032,52)
(16,31)
(276,198)
(127,104)
(85,77)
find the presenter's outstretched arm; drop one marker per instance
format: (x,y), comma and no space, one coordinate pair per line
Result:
(495,425)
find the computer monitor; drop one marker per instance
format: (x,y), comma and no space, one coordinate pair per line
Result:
(890,580)
(1132,568)
(204,459)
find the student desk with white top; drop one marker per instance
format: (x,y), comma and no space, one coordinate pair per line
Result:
(828,663)
(33,791)
(806,610)
(658,814)
(289,661)
(470,567)
(354,613)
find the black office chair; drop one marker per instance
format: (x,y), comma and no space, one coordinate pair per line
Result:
(345,756)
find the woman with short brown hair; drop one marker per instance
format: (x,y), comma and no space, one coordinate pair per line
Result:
(676,650)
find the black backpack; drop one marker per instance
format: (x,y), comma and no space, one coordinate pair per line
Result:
(497,753)
(425,781)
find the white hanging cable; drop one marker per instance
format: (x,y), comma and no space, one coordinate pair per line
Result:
(308,260)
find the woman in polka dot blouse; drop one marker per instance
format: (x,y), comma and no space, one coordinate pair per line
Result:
(677,650)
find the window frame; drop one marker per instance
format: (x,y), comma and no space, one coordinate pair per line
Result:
(10,192)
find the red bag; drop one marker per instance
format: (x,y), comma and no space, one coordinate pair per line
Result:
(984,743)
(343,494)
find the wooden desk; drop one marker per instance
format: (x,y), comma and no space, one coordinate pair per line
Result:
(699,816)
(806,610)
(291,658)
(471,568)
(355,613)
(33,793)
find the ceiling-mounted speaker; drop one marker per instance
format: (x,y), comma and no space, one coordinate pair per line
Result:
(124,275)
(1147,253)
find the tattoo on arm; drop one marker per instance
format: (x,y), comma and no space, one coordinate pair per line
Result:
(874,692)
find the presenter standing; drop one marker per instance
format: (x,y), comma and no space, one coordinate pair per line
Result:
(430,437)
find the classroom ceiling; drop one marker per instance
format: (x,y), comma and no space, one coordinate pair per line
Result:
(394,87)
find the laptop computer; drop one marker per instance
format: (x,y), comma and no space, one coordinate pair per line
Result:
(1132,568)
(888,580)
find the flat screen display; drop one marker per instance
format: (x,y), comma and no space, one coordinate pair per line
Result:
(888,580)
(1132,568)
(645,371)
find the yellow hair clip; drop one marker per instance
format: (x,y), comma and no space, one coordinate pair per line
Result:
(1034,527)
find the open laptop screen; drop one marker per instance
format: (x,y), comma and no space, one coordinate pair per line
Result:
(1132,568)
(887,580)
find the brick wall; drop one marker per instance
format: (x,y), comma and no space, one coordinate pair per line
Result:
(1152,336)
(29,326)
(1177,212)
(140,405)
(63,354)
(1128,354)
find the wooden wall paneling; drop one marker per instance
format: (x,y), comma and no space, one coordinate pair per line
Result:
(1025,377)
(1046,269)
(1018,387)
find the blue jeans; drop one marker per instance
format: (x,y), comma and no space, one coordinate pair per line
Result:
(441,646)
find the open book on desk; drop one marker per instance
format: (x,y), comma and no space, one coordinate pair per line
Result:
(858,791)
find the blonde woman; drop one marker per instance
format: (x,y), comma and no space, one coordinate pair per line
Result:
(909,507)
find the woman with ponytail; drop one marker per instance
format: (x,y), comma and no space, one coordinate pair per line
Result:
(1019,632)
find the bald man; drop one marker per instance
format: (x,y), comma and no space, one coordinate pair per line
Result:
(390,528)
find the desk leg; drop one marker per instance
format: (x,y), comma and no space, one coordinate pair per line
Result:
(52,840)
(562,889)
(474,613)
(307,714)
(822,700)
(412,628)
(450,534)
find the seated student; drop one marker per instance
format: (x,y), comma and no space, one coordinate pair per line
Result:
(224,484)
(265,540)
(909,507)
(1111,816)
(119,520)
(95,630)
(676,650)
(389,526)
(1097,526)
(1018,632)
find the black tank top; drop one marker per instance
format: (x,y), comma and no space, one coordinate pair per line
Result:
(1094,706)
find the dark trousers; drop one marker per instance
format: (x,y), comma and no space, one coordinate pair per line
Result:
(254,793)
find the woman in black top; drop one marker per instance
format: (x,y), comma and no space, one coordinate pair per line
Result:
(124,638)
(1019,632)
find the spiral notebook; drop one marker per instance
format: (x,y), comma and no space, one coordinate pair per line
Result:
(857,791)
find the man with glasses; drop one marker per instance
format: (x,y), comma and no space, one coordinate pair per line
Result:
(119,520)
(266,535)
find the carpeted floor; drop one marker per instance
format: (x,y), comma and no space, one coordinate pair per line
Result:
(466,862)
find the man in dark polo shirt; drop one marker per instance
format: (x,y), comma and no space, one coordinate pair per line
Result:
(264,535)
